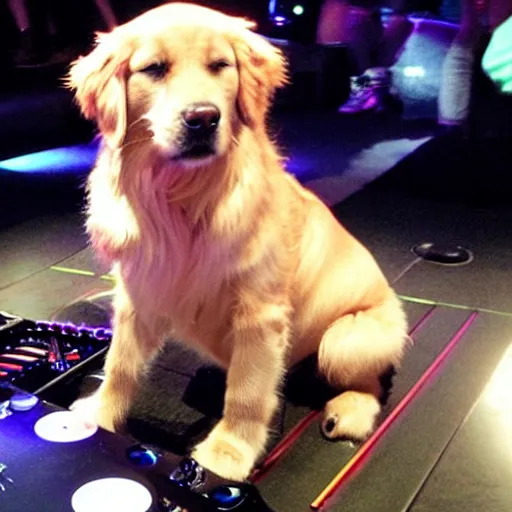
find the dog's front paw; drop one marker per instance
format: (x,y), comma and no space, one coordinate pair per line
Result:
(93,411)
(226,455)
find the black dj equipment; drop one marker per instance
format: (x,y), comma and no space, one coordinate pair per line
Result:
(51,461)
(34,353)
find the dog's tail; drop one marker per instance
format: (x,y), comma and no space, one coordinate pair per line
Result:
(364,344)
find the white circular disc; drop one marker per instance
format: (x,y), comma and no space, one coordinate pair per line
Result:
(109,494)
(63,427)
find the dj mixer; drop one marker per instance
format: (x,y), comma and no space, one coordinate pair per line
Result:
(33,354)
(51,461)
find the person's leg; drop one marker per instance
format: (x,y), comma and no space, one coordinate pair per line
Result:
(397,31)
(359,27)
(356,26)
(396,34)
(457,71)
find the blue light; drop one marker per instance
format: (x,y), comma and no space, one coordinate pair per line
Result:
(302,167)
(79,158)
(227,497)
(141,456)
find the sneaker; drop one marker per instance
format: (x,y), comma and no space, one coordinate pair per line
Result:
(369,92)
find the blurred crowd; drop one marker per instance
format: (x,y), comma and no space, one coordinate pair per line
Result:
(375,48)
(38,33)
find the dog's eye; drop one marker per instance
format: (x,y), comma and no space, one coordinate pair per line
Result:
(157,70)
(219,65)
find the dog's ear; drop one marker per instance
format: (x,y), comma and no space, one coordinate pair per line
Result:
(262,69)
(99,83)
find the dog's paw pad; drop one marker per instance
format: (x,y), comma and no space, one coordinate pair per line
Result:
(329,426)
(350,415)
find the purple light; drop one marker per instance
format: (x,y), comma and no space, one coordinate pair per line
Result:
(302,167)
(101,333)
(280,20)
(441,23)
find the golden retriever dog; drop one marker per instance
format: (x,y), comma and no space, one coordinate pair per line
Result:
(213,243)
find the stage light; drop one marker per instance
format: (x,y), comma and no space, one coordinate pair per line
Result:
(298,10)
(67,159)
(497,393)
(280,21)
(414,71)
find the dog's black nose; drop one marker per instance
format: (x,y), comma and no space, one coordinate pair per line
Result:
(201,117)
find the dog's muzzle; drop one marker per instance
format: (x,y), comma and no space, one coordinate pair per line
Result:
(200,122)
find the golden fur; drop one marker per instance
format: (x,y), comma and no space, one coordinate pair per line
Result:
(227,252)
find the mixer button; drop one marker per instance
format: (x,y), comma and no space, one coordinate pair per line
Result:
(189,474)
(141,456)
(227,497)
(22,402)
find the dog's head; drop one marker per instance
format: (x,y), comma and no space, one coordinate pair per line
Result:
(181,77)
